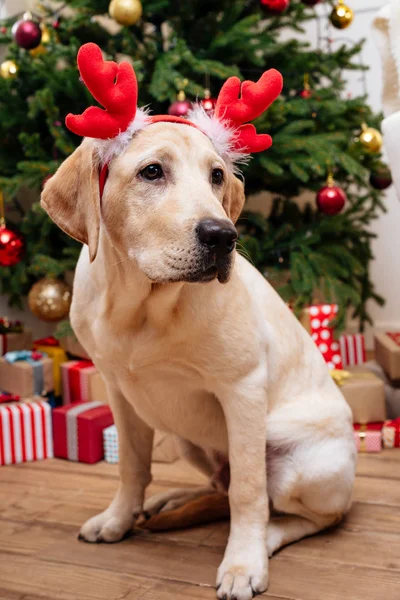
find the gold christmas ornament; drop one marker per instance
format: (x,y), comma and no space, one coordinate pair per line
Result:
(8,69)
(370,138)
(46,38)
(341,15)
(125,12)
(50,299)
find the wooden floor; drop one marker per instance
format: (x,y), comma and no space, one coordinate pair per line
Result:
(43,504)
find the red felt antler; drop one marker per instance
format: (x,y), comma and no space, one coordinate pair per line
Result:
(239,103)
(112,85)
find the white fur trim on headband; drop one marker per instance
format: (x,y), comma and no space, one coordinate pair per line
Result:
(107,149)
(219,132)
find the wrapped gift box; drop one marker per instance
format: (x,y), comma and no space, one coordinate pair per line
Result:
(51,347)
(78,431)
(82,382)
(317,320)
(352,349)
(110,440)
(9,342)
(26,373)
(364,392)
(368,438)
(164,446)
(25,432)
(387,353)
(73,347)
(391,434)
(392,390)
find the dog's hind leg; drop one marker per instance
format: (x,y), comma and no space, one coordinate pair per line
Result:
(135,447)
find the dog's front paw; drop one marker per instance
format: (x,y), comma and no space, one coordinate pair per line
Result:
(241,579)
(106,527)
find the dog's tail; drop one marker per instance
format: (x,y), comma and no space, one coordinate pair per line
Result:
(207,509)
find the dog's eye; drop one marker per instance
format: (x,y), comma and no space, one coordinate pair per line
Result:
(217,176)
(152,172)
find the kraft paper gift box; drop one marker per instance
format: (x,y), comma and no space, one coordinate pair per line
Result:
(352,349)
(26,373)
(317,319)
(364,392)
(164,446)
(368,438)
(82,382)
(78,431)
(391,434)
(51,347)
(387,353)
(392,390)
(25,432)
(73,347)
(9,342)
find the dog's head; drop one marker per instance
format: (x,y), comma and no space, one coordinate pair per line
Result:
(170,203)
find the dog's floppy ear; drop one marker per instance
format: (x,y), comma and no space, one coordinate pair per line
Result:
(72,199)
(234,198)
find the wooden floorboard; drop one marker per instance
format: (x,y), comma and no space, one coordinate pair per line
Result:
(43,504)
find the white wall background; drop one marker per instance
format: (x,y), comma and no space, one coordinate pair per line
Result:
(386,266)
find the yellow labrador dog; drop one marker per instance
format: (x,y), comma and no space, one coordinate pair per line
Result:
(192,340)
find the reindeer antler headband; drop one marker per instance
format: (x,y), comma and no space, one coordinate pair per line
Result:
(114,86)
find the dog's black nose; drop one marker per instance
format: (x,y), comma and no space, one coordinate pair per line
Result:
(218,235)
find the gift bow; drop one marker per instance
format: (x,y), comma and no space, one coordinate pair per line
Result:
(26,355)
(47,341)
(340,377)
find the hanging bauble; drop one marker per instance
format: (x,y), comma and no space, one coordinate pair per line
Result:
(208,103)
(306,91)
(50,299)
(341,15)
(274,6)
(125,12)
(181,106)
(381,177)
(56,22)
(27,33)
(370,138)
(8,69)
(331,198)
(11,247)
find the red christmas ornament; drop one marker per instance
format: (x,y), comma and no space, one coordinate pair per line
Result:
(27,34)
(180,107)
(381,177)
(208,103)
(3,29)
(56,23)
(305,94)
(11,247)
(274,6)
(331,198)
(306,91)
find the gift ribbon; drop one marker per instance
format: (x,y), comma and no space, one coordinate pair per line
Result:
(34,359)
(72,427)
(362,434)
(395,336)
(340,377)
(75,388)
(47,341)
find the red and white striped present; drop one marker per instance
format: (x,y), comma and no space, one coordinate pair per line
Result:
(352,349)
(322,332)
(25,432)
(76,376)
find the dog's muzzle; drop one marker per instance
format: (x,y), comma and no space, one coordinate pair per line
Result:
(217,240)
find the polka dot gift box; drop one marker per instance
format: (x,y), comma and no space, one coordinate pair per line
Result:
(322,332)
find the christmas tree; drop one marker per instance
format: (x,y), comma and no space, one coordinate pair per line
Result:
(184,49)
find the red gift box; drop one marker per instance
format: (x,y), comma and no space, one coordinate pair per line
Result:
(75,380)
(25,432)
(368,438)
(78,431)
(352,349)
(322,332)
(391,434)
